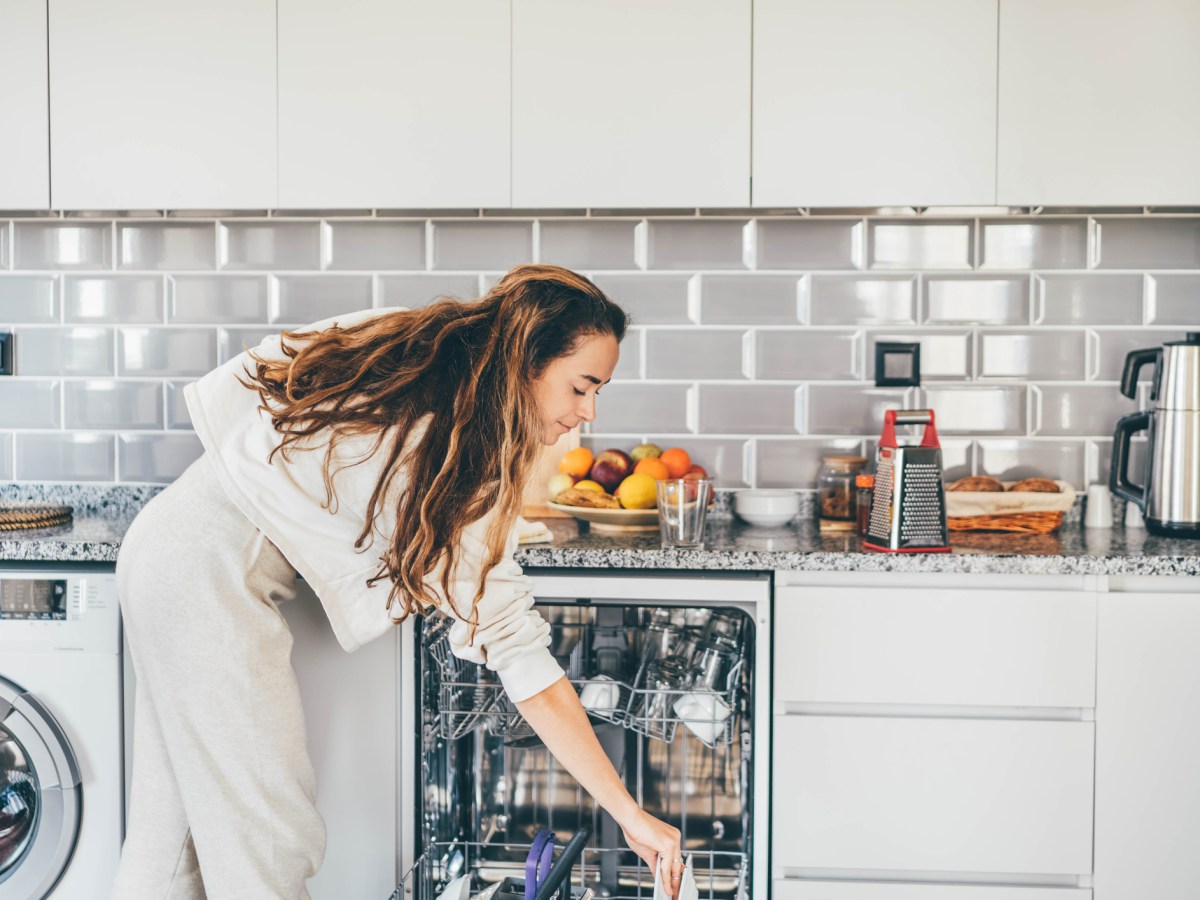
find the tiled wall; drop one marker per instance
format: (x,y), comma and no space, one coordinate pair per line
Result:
(752,344)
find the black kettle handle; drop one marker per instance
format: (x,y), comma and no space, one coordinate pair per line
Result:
(1133,365)
(1118,472)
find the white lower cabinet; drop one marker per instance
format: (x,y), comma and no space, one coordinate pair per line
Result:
(859,890)
(932,795)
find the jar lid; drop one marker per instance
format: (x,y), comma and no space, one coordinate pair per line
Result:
(864,481)
(844,462)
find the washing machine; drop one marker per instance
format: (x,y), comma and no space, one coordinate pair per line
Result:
(61,732)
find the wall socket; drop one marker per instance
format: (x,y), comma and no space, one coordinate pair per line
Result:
(6,353)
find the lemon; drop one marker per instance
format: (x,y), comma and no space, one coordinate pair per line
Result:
(637,492)
(586,485)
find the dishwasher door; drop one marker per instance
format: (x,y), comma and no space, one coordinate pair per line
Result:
(674,671)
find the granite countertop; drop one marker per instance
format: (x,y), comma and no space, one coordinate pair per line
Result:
(102,517)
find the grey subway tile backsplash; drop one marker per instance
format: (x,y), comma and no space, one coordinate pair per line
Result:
(1149,243)
(29,299)
(863,300)
(650,299)
(1031,355)
(113,404)
(750,409)
(589,243)
(635,408)
(695,353)
(809,243)
(751,343)
(418,290)
(1173,300)
(218,299)
(65,456)
(62,245)
(268,245)
(942,244)
(802,354)
(63,351)
(113,298)
(752,299)
(696,244)
(166,245)
(166,351)
(1087,299)
(302,299)
(794,462)
(29,403)
(469,244)
(379,244)
(1034,244)
(976,299)
(157,457)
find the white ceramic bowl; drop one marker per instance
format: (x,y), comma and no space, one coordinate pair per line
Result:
(765,507)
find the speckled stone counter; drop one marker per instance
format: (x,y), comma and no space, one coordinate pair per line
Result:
(103,513)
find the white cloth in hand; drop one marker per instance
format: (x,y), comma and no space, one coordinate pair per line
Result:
(687,887)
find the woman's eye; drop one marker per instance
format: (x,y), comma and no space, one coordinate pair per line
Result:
(578,392)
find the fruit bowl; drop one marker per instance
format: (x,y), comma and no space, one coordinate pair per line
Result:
(612,519)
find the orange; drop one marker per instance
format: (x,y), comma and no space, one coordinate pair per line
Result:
(677,461)
(638,491)
(577,462)
(653,467)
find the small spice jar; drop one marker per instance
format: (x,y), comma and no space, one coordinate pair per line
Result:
(866,493)
(835,491)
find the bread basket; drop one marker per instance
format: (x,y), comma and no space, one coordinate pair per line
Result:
(1027,512)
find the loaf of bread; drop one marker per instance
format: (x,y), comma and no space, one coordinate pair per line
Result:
(1036,486)
(983,483)
(588,499)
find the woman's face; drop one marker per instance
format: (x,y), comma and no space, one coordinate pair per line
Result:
(566,391)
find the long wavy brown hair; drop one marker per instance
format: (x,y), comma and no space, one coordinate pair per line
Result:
(470,368)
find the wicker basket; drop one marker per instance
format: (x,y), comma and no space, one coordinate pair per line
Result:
(1020,513)
(1022,523)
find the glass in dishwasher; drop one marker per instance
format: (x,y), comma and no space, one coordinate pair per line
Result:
(643,665)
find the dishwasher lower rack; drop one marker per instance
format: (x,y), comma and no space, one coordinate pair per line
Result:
(469,697)
(719,875)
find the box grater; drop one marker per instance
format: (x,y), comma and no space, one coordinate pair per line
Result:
(908,508)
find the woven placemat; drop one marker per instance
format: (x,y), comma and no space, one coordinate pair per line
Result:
(33,515)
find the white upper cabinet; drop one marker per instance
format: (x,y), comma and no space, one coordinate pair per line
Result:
(626,103)
(25,125)
(1098,102)
(874,102)
(394,104)
(162,105)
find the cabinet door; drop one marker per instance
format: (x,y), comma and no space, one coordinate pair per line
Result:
(1098,102)
(1148,746)
(627,103)
(874,103)
(974,796)
(866,890)
(24,110)
(162,105)
(386,104)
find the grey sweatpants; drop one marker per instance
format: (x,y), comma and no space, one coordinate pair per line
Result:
(223,796)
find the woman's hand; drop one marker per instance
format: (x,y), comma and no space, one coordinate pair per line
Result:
(652,840)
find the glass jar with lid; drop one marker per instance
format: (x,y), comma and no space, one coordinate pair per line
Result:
(836,504)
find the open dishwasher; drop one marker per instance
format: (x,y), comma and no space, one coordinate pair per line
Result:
(674,672)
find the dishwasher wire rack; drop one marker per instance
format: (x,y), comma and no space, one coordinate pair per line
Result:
(719,875)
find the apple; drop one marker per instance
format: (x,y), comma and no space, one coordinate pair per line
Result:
(559,483)
(610,469)
(695,472)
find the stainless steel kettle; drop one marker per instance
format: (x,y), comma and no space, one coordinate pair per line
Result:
(1169,494)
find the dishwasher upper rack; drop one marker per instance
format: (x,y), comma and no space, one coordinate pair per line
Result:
(720,875)
(469,697)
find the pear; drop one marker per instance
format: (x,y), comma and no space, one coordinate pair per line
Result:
(642,451)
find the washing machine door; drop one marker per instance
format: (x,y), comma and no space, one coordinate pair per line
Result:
(40,797)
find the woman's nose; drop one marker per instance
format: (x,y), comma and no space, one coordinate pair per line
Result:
(587,408)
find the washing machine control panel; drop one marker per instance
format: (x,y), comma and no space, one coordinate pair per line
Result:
(42,599)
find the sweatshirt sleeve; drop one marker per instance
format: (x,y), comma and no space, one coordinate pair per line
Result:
(512,638)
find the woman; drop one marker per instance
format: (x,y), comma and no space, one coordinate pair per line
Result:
(383,455)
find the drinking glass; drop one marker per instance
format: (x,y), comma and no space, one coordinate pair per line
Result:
(682,509)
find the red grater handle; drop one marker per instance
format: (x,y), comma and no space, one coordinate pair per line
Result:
(909,417)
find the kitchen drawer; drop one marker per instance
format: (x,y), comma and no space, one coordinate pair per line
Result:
(918,646)
(932,795)
(861,890)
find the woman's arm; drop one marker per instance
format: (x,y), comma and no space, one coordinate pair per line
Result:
(560,721)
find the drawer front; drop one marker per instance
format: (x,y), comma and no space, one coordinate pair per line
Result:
(948,647)
(938,795)
(861,890)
